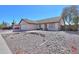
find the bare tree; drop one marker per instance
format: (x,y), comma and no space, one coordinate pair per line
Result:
(64,16)
(68,15)
(76,16)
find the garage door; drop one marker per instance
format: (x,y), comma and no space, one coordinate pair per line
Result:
(24,27)
(51,26)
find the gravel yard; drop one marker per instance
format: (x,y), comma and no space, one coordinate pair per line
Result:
(43,42)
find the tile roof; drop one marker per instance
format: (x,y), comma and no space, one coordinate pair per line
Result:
(52,19)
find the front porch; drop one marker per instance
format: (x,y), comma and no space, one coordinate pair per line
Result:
(48,26)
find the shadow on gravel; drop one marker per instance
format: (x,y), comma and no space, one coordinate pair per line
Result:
(35,33)
(73,32)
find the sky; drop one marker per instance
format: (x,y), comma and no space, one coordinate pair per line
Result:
(8,13)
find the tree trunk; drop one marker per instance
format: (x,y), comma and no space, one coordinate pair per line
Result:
(64,26)
(69,27)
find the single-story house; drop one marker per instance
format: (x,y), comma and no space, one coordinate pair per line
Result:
(44,24)
(54,23)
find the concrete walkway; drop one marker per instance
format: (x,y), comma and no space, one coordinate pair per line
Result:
(3,46)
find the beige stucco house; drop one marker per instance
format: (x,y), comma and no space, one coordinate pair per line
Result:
(51,24)
(44,24)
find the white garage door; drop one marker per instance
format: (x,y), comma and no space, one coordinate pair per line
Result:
(51,27)
(24,27)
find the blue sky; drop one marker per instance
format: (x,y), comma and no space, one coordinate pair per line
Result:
(32,12)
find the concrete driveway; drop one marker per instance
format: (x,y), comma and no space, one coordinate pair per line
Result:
(3,46)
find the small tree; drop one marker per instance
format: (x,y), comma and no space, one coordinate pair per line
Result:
(1,26)
(68,14)
(13,23)
(75,22)
(5,23)
(64,16)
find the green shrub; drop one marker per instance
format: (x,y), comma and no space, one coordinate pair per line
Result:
(1,26)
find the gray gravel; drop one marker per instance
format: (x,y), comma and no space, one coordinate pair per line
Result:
(43,42)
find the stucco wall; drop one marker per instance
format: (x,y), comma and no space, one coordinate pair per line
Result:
(26,26)
(61,22)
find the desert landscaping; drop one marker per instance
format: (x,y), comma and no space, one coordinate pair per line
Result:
(58,34)
(43,42)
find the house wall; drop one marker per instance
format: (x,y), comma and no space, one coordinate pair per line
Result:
(27,26)
(50,26)
(37,26)
(61,22)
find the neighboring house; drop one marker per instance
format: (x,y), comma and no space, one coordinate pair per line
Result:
(16,27)
(44,24)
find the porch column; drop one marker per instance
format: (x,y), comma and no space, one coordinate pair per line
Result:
(45,27)
(39,25)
